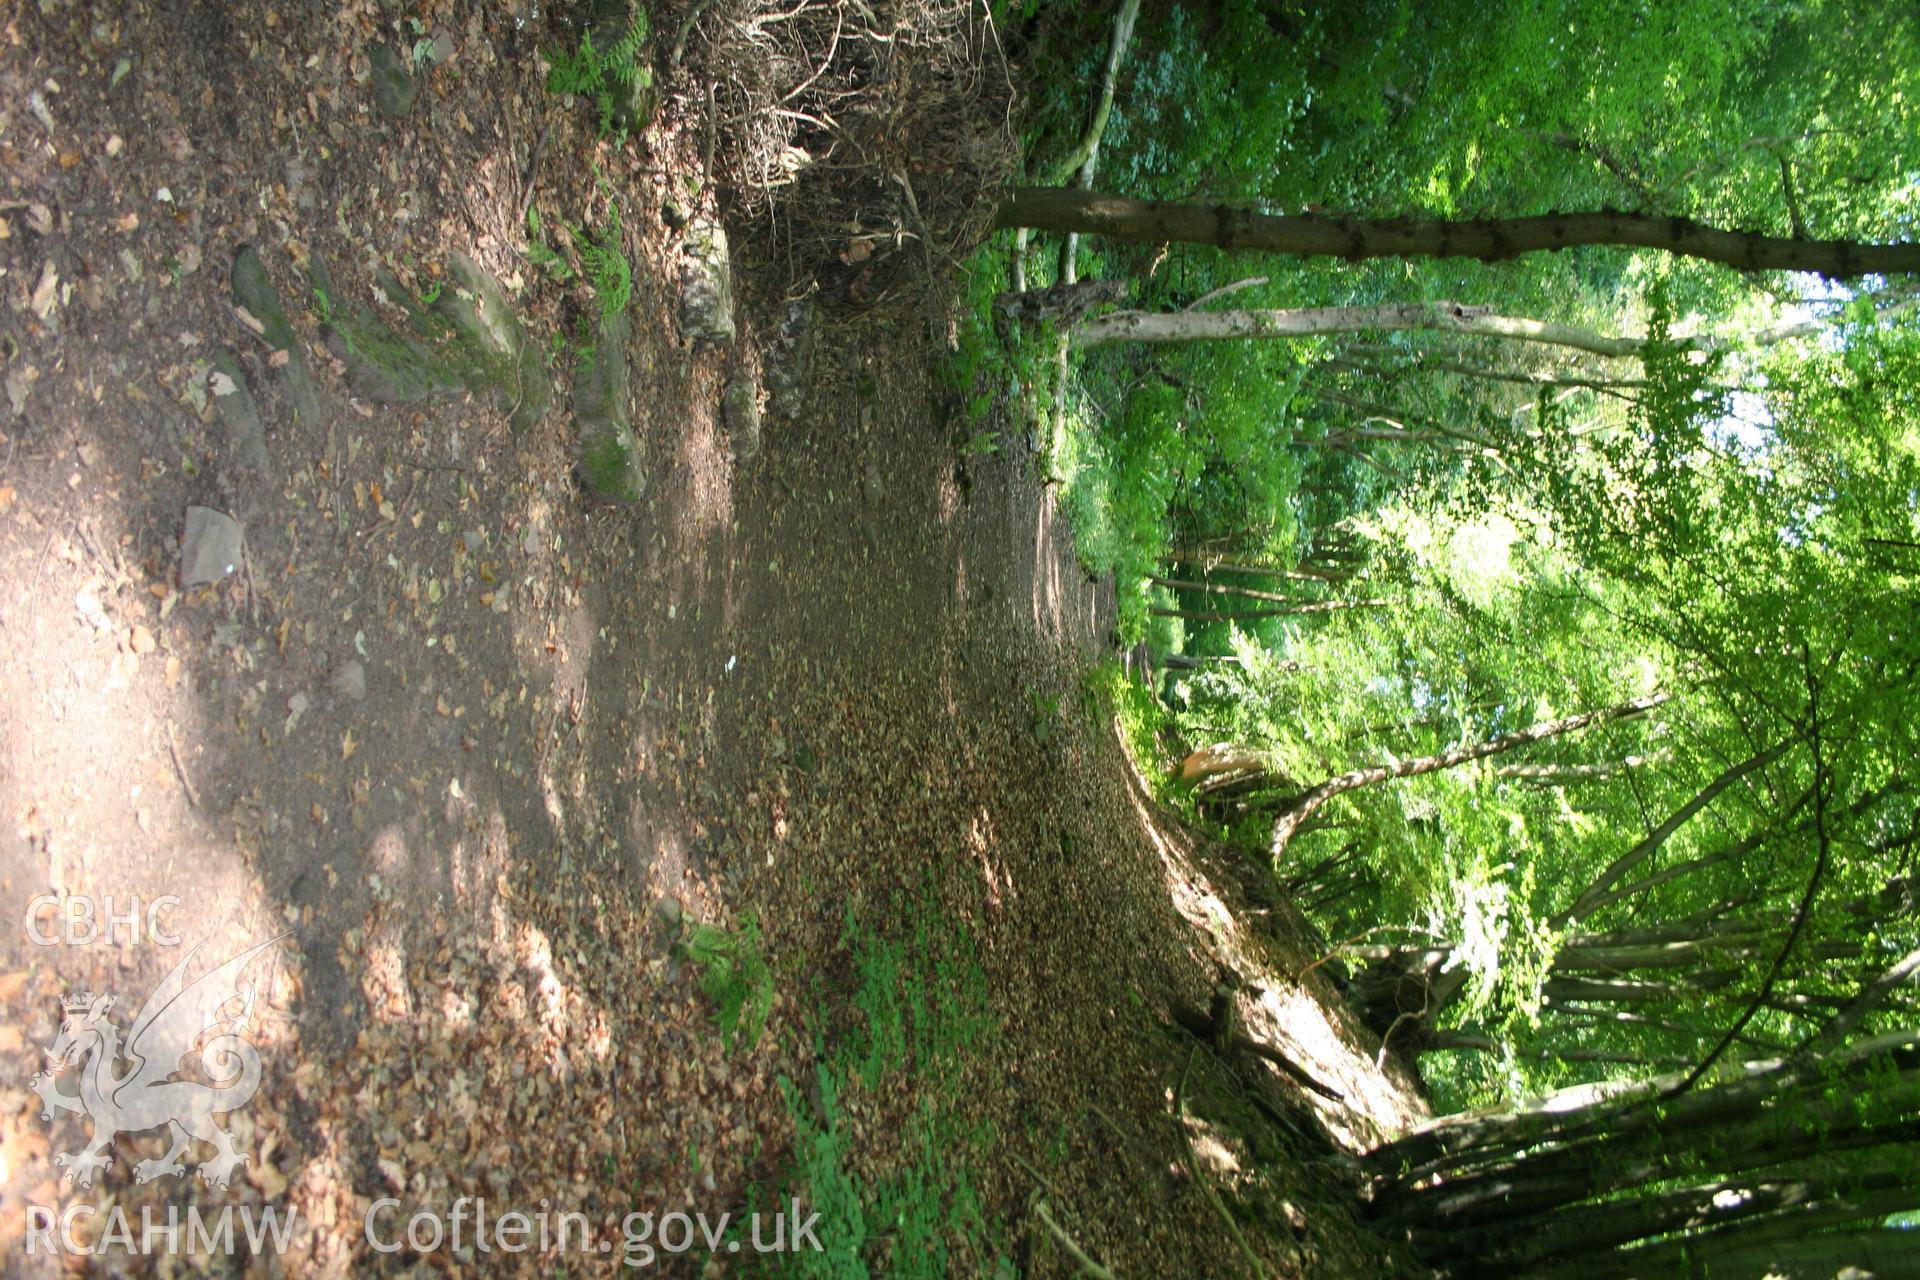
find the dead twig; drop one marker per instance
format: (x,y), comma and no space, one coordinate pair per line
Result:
(1087,1265)
(180,767)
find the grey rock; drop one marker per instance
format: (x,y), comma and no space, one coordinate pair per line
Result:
(349,680)
(610,454)
(239,419)
(872,484)
(210,546)
(253,291)
(420,320)
(385,365)
(790,360)
(483,320)
(469,339)
(740,405)
(706,284)
(394,88)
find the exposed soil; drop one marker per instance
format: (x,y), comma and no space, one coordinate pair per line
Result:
(825,681)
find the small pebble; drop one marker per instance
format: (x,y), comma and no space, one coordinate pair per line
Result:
(350,681)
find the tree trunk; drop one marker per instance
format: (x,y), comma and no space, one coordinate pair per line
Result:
(1420,362)
(1775,1128)
(1186,662)
(1083,155)
(1209,564)
(1316,606)
(1489,239)
(1731,853)
(1394,317)
(1223,588)
(1882,1185)
(1285,825)
(1885,1253)
(1588,968)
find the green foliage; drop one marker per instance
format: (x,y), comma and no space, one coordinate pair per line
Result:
(1140,719)
(603,258)
(820,1159)
(542,254)
(1384,108)
(1046,712)
(602,252)
(736,977)
(608,78)
(921,1019)
(1535,532)
(1541,532)
(980,443)
(991,367)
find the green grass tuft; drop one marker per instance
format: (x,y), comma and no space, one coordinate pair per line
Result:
(921,1019)
(736,976)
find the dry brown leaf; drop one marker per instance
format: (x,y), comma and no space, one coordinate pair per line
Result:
(46,294)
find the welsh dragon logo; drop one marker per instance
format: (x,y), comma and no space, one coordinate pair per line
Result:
(144,1097)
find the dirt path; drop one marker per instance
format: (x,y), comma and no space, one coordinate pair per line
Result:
(486,751)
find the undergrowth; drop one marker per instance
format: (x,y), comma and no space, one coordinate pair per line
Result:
(608,78)
(735,977)
(1139,717)
(920,1017)
(602,253)
(1001,374)
(1114,480)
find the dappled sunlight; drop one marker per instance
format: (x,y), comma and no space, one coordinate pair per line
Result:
(535,954)
(383,977)
(387,854)
(700,504)
(567,646)
(555,807)
(980,840)
(1275,1010)
(1209,1147)
(101,721)
(107,700)
(1048,604)
(481,857)
(960,580)
(947,497)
